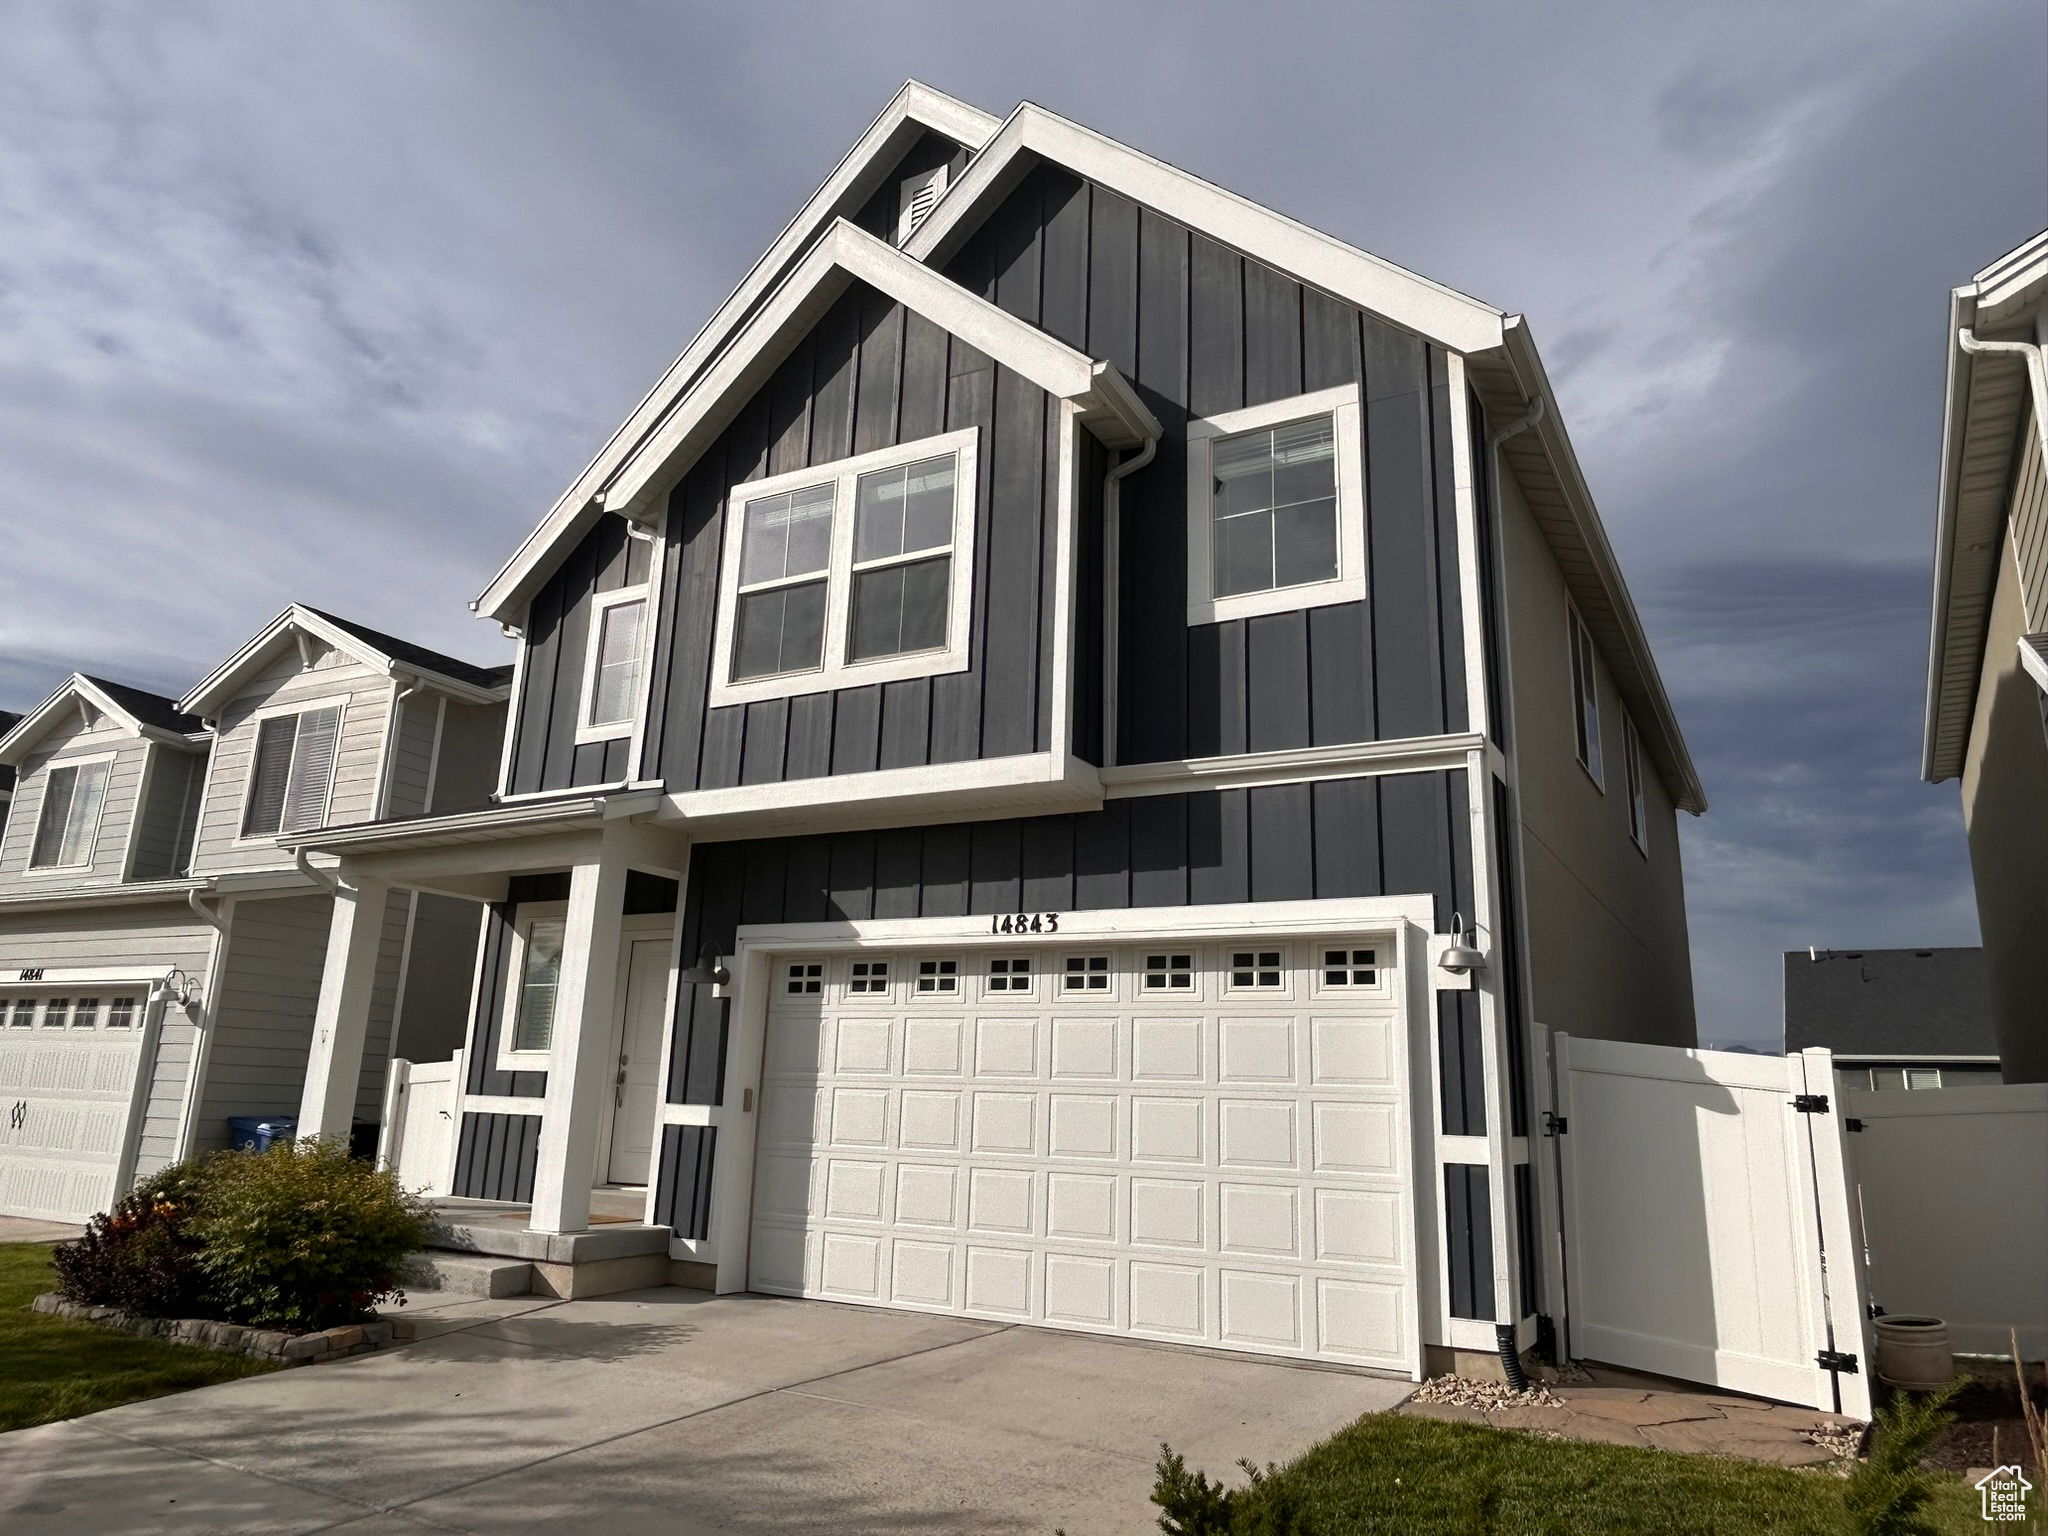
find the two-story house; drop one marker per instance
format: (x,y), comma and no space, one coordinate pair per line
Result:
(160,955)
(1057,763)
(1987,667)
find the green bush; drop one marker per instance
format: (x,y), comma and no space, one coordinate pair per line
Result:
(142,1256)
(304,1235)
(1888,1494)
(1191,1505)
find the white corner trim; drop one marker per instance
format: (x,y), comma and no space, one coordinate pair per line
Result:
(1349,585)
(1409,754)
(835,671)
(1443,315)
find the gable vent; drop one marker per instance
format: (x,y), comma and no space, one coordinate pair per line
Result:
(915,196)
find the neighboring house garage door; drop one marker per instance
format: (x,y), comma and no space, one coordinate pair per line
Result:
(1205,1144)
(67,1080)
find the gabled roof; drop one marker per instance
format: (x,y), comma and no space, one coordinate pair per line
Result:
(1889,1002)
(462,680)
(1988,401)
(136,711)
(1442,315)
(914,111)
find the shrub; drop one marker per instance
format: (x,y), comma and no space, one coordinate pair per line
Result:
(1191,1505)
(142,1256)
(303,1235)
(1888,1493)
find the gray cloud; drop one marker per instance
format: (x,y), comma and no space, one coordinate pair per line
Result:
(328,303)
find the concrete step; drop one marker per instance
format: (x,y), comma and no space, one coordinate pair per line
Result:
(468,1274)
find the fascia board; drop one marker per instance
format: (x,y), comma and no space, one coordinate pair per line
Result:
(1689,793)
(915,108)
(1430,310)
(206,698)
(2012,284)
(14,746)
(1962,311)
(844,255)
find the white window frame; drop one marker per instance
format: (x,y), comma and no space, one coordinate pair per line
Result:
(1583,677)
(1349,584)
(835,671)
(1632,771)
(586,699)
(510,1060)
(253,723)
(92,843)
(1256,947)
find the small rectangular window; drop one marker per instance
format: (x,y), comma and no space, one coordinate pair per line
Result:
(1009,974)
(69,822)
(614,690)
(540,978)
(1923,1077)
(85,1013)
(1169,973)
(293,772)
(24,1012)
(55,1012)
(1259,969)
(1086,973)
(121,1013)
(938,978)
(785,549)
(869,976)
(1350,968)
(806,978)
(1585,698)
(1632,762)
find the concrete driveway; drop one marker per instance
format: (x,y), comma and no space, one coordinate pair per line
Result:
(675,1412)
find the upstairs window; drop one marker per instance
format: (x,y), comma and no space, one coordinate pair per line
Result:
(612,667)
(1276,508)
(68,826)
(292,772)
(848,574)
(1632,762)
(1585,698)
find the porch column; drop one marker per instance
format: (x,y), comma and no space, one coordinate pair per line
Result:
(579,1053)
(342,1017)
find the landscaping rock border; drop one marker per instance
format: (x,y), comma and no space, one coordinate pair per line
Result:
(263,1343)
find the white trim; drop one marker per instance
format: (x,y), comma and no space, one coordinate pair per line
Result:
(1632,784)
(1578,637)
(657,575)
(1465,508)
(637,928)
(1349,584)
(1026,781)
(500,1104)
(203,1020)
(218,689)
(1066,557)
(1449,318)
(30,728)
(601,604)
(339,701)
(835,670)
(510,1059)
(91,976)
(434,757)
(30,869)
(1290,765)
(513,706)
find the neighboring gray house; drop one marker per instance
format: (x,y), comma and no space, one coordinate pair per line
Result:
(1062,659)
(1895,1018)
(160,955)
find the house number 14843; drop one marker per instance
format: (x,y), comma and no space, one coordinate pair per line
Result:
(1025,922)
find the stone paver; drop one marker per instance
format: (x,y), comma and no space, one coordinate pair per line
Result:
(1613,1407)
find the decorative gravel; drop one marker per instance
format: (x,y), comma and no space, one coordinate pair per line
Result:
(1469,1392)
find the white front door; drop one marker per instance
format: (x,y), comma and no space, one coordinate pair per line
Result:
(67,1078)
(635,1093)
(1203,1142)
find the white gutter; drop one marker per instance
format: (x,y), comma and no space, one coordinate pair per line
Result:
(1112,552)
(2037,377)
(204,913)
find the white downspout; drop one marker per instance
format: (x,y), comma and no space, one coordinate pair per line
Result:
(321,877)
(2037,377)
(1112,558)
(1520,424)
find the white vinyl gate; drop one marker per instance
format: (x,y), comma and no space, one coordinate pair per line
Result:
(68,1091)
(1708,1229)
(1144,1140)
(422,1112)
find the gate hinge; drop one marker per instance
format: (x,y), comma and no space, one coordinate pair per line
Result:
(1553,1124)
(1851,1123)
(1811,1103)
(1835,1360)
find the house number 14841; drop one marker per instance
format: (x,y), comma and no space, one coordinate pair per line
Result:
(1025,922)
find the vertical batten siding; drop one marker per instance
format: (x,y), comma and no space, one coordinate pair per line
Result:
(1528,1273)
(1201,329)
(1468,1240)
(682,1184)
(497,1156)
(545,752)
(412,756)
(1396,834)
(358,764)
(262,1020)
(483,1072)
(125,777)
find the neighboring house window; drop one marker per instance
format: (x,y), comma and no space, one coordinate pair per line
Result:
(69,824)
(293,771)
(915,197)
(1632,761)
(1276,508)
(852,573)
(613,669)
(1905,1077)
(540,980)
(1585,698)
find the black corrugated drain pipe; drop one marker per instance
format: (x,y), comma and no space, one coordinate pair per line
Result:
(1510,1357)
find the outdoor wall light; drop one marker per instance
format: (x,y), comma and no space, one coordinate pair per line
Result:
(174,984)
(707,972)
(1462,955)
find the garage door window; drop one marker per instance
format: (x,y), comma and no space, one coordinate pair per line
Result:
(1170,973)
(1350,968)
(56,1012)
(86,1013)
(1258,970)
(869,976)
(1009,974)
(805,978)
(121,1013)
(24,1012)
(938,978)
(1086,973)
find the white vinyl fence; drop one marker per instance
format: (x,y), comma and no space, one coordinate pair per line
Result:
(422,1116)
(1953,1185)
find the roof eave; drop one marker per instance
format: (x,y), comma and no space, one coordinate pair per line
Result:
(1935,766)
(207,698)
(14,746)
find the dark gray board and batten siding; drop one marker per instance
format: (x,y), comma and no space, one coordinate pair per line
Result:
(1202,330)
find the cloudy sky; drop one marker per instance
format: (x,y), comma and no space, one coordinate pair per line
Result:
(326,303)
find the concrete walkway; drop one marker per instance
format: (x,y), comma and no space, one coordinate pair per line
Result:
(26,1229)
(671,1411)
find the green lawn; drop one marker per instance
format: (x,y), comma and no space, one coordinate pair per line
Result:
(1423,1477)
(51,1369)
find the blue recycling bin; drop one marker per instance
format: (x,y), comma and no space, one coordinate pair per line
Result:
(259,1133)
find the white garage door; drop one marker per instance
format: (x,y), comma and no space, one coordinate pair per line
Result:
(67,1077)
(1203,1143)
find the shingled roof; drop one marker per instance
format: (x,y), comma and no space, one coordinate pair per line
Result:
(1889,1002)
